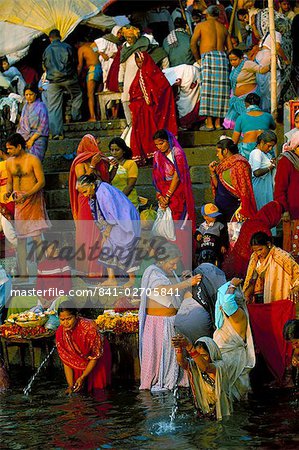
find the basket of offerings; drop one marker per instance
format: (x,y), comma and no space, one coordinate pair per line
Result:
(28,319)
(14,331)
(126,322)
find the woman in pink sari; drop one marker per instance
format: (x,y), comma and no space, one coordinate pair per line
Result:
(84,352)
(89,160)
(171,178)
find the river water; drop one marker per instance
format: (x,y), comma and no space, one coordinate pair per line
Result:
(125,418)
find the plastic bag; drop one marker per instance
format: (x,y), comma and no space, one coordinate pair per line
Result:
(164,225)
(234,229)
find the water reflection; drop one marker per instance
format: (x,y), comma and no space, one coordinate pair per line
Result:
(129,419)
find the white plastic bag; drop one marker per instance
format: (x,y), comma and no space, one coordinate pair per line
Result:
(164,225)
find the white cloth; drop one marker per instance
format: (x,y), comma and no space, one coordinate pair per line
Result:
(188,95)
(109,48)
(238,355)
(259,160)
(8,230)
(268,41)
(126,74)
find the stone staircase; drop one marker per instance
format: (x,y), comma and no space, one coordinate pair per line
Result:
(199,147)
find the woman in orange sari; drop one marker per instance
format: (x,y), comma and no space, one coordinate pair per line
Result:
(89,160)
(84,352)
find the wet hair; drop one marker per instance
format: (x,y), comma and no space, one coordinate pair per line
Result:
(31,87)
(213,11)
(168,251)
(236,52)
(180,22)
(291,330)
(253,99)
(15,140)
(68,305)
(242,12)
(203,345)
(121,144)
(87,179)
(55,34)
(161,134)
(228,144)
(260,238)
(267,136)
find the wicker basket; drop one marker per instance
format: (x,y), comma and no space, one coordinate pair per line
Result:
(32,323)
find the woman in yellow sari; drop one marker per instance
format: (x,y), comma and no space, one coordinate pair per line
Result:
(272,273)
(272,286)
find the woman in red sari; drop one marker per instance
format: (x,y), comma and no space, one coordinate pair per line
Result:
(152,106)
(89,160)
(84,352)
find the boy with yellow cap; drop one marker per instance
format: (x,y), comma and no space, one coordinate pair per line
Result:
(211,235)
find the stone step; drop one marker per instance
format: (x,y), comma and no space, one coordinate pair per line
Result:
(85,127)
(60,180)
(195,138)
(58,199)
(200,174)
(59,214)
(70,145)
(56,162)
(200,156)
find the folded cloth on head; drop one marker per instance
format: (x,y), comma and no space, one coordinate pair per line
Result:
(225,301)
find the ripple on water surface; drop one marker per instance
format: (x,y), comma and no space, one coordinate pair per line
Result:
(129,419)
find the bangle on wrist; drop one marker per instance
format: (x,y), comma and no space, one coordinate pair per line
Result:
(232,286)
(92,167)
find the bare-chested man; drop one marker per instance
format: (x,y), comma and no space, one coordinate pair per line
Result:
(25,181)
(94,74)
(208,44)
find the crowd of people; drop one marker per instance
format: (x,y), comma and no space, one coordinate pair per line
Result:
(189,70)
(199,325)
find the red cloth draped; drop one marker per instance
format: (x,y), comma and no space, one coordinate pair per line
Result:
(287,186)
(112,77)
(182,200)
(78,346)
(237,260)
(86,233)
(152,106)
(267,322)
(240,173)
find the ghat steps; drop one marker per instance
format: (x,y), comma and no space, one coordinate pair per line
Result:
(198,145)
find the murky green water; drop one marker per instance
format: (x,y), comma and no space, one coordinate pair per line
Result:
(125,418)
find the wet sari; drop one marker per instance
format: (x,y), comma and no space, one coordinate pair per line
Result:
(76,347)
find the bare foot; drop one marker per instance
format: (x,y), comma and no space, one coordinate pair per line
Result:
(92,120)
(109,282)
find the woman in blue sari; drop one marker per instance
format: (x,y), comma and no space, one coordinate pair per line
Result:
(34,123)
(243,82)
(119,223)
